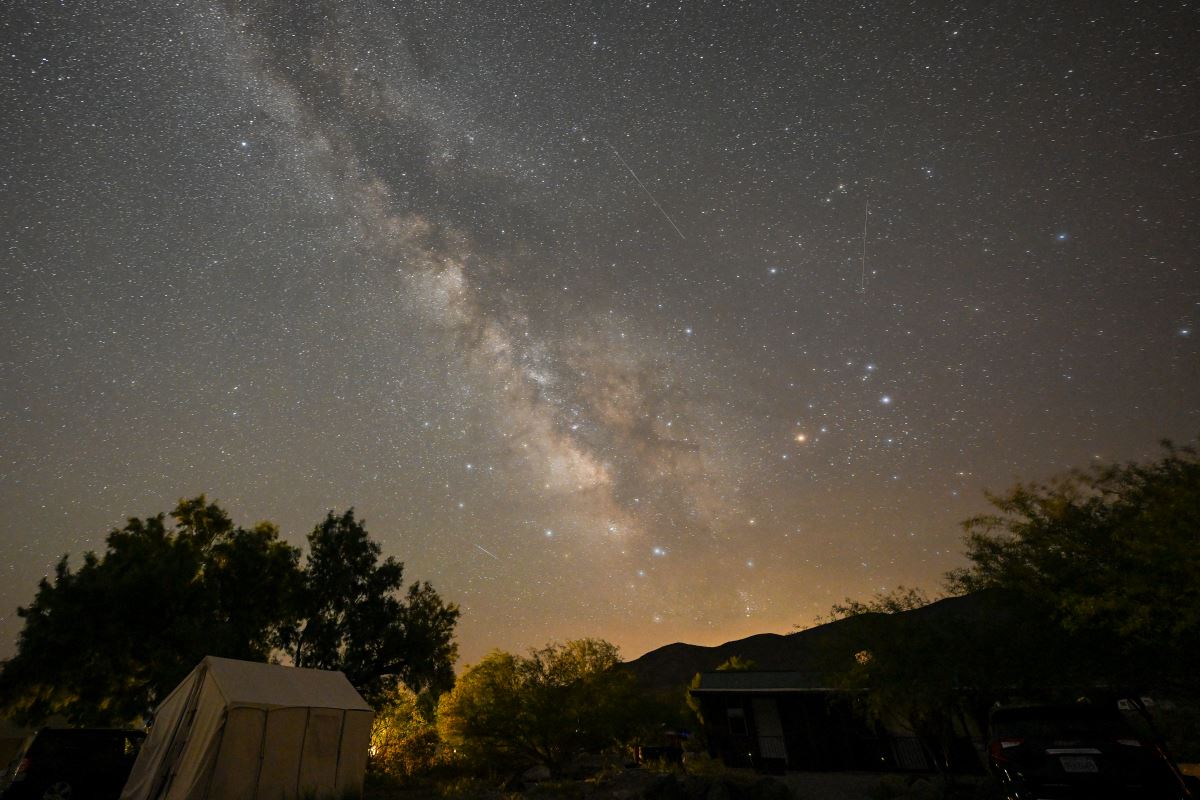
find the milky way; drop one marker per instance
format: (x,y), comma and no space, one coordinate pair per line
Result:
(650,322)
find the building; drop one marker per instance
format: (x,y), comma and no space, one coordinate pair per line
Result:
(776,721)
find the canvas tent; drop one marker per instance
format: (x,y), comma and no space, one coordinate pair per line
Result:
(11,737)
(238,730)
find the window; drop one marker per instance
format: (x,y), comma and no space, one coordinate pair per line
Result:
(737,721)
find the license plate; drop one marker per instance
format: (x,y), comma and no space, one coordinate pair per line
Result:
(1078,764)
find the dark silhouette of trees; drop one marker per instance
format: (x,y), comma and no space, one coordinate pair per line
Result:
(935,668)
(352,617)
(902,598)
(1090,583)
(102,644)
(1114,555)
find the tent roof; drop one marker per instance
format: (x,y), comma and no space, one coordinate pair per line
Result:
(247,683)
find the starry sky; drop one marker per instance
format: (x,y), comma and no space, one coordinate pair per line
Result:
(651,321)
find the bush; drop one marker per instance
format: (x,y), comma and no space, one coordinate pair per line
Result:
(404,744)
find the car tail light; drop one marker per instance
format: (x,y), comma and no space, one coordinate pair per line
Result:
(22,768)
(997,748)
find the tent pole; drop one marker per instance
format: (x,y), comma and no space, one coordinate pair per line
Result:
(337,765)
(303,741)
(262,751)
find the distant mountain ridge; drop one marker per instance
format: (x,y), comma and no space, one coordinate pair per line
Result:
(821,651)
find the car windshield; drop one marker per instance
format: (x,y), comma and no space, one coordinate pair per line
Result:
(1058,723)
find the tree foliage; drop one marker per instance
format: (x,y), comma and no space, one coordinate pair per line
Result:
(102,644)
(934,668)
(736,663)
(1114,552)
(1089,581)
(353,617)
(902,598)
(510,711)
(404,743)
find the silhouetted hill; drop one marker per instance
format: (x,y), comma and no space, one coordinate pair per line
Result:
(820,650)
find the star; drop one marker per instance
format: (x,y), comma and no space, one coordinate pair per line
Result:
(428,280)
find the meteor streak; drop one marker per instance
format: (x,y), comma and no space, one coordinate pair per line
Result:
(1170,136)
(666,216)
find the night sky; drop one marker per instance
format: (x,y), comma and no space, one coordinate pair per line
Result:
(648,321)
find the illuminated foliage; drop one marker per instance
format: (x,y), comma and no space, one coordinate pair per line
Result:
(734,663)
(404,744)
(508,711)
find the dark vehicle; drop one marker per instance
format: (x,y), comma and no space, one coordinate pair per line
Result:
(1079,751)
(79,764)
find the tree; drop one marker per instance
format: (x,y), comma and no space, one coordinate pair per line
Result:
(102,644)
(935,668)
(353,618)
(483,718)
(1114,553)
(903,674)
(509,711)
(1089,581)
(404,743)
(902,598)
